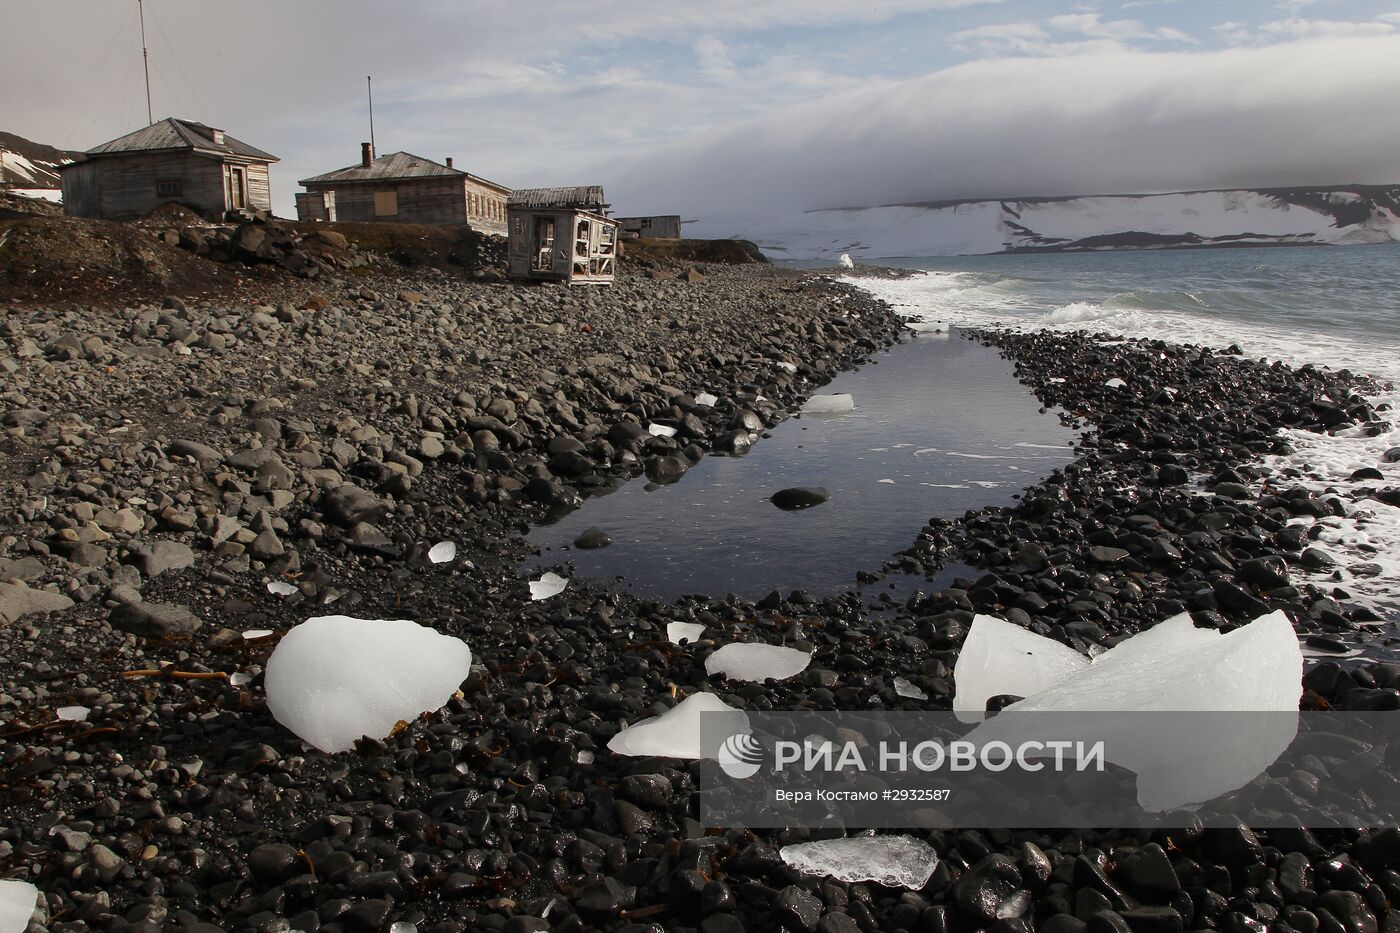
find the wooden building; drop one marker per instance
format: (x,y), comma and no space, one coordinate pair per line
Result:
(562,235)
(658,227)
(170,162)
(407,189)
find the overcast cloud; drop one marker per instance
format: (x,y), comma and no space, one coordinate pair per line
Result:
(737,110)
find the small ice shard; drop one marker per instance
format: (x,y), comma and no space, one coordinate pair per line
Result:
(72,713)
(888,482)
(239,679)
(17,902)
(681,633)
(1056,379)
(585,756)
(783,364)
(837,403)
(893,861)
(754,661)
(280,588)
(999,658)
(444,552)
(255,633)
(845,262)
(1254,672)
(706,399)
(661,430)
(333,679)
(906,689)
(551,584)
(1115,383)
(403,926)
(676,733)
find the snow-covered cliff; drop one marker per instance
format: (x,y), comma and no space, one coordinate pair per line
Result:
(1274,216)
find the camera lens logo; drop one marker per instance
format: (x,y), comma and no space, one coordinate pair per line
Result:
(740,756)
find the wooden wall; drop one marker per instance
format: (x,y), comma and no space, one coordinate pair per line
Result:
(486,208)
(124,187)
(421,201)
(82,197)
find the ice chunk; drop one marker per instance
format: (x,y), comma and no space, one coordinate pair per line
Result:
(894,861)
(17,902)
(444,552)
(845,262)
(907,690)
(676,733)
(255,633)
(280,588)
(1115,383)
(706,399)
(838,403)
(661,430)
(333,679)
(403,926)
(72,713)
(681,632)
(752,661)
(551,584)
(1000,658)
(239,679)
(784,365)
(1176,668)
(585,756)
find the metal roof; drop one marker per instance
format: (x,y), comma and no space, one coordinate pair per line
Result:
(394,166)
(173,133)
(584,197)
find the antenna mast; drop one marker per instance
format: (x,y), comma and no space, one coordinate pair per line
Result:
(369,87)
(145,61)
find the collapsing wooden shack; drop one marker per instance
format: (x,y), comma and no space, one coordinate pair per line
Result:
(562,235)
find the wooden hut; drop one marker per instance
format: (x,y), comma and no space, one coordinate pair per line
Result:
(169,162)
(655,227)
(407,189)
(562,235)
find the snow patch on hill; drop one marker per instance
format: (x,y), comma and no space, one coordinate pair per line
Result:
(1341,216)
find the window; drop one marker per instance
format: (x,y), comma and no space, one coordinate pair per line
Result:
(386,203)
(169,188)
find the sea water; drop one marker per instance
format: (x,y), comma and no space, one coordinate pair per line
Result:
(1337,307)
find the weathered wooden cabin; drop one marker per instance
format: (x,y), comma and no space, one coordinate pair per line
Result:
(562,235)
(169,162)
(656,227)
(407,189)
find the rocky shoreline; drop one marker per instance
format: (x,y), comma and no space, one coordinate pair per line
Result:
(163,465)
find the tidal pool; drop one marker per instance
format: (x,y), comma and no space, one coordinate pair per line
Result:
(941,425)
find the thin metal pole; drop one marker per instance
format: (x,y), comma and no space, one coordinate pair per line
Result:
(369,86)
(145,62)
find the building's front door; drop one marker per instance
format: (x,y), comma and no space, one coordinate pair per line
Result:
(237,198)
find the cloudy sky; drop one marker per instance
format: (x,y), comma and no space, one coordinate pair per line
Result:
(739,110)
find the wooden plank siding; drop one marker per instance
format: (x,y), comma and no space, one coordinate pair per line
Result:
(126,187)
(437,200)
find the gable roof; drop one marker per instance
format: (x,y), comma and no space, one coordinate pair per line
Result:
(583,197)
(173,133)
(394,167)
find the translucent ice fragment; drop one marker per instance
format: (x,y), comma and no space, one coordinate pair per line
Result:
(551,584)
(677,732)
(893,861)
(752,661)
(1000,658)
(333,679)
(681,633)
